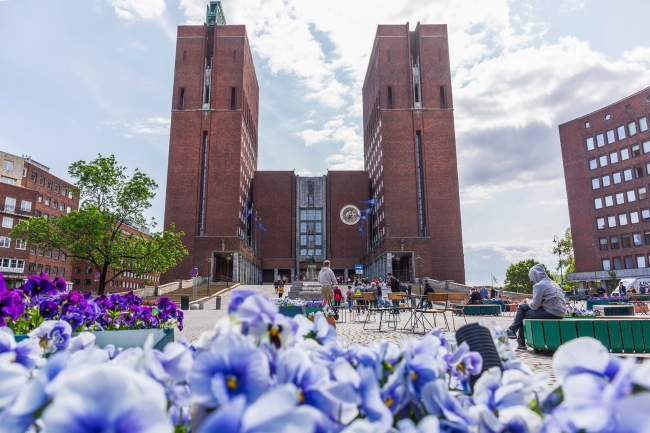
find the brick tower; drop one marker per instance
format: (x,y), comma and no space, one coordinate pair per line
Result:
(213,150)
(410,155)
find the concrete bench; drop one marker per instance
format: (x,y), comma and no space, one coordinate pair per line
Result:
(620,334)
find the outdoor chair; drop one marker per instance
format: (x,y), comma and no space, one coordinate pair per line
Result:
(434,300)
(457,302)
(372,308)
(397,307)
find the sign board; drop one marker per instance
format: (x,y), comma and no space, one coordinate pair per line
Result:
(358,269)
(97,274)
(194,271)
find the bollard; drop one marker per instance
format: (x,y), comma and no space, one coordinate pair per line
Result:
(185,302)
(201,304)
(218,306)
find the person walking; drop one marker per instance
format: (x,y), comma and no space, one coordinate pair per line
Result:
(327,280)
(280,290)
(393,283)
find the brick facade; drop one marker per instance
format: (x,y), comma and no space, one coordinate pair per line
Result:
(606,157)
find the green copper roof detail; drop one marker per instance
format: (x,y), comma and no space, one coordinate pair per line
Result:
(215,14)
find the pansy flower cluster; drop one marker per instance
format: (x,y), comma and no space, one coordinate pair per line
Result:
(573,311)
(23,309)
(260,371)
(287,302)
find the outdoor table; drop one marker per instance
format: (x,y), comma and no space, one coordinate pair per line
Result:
(417,300)
(496,302)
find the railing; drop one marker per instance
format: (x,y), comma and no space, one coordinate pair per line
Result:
(8,270)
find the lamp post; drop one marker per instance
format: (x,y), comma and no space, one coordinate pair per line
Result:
(397,259)
(418,259)
(559,258)
(209,260)
(228,258)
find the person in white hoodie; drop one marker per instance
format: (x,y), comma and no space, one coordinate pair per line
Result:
(548,302)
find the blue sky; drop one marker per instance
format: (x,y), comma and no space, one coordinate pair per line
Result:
(80,77)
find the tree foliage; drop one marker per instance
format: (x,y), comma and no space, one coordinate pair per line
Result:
(517,276)
(97,233)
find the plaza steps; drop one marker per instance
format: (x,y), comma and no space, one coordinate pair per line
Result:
(201,292)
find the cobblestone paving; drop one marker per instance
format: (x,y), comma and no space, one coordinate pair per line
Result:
(351,330)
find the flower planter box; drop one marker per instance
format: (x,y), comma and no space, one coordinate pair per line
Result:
(312,310)
(126,338)
(291,311)
(330,320)
(590,304)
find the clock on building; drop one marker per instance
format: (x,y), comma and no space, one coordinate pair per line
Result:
(350,214)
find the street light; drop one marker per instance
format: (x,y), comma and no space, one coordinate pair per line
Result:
(228,258)
(209,260)
(559,256)
(418,259)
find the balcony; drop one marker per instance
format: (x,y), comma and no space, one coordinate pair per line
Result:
(12,271)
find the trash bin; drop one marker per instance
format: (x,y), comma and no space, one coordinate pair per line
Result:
(185,302)
(201,304)
(218,306)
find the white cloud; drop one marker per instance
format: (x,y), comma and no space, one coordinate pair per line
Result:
(638,55)
(135,10)
(150,126)
(573,5)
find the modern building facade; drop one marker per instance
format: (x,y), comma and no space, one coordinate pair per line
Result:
(606,156)
(241,224)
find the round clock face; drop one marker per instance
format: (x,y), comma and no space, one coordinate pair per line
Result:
(350,214)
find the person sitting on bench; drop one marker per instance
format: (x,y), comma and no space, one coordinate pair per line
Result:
(548,302)
(475,297)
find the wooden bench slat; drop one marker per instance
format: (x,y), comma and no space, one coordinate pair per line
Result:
(585,328)
(568,330)
(538,335)
(637,335)
(552,334)
(602,333)
(528,333)
(645,326)
(626,332)
(615,338)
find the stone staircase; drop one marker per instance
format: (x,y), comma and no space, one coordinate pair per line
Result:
(201,292)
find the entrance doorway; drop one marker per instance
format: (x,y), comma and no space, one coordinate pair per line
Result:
(223,267)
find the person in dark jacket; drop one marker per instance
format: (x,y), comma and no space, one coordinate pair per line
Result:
(393,283)
(475,297)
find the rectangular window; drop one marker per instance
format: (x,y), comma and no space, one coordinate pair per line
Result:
(47,201)
(614,242)
(587,125)
(637,239)
(32,250)
(613,157)
(622,219)
(606,180)
(181,100)
(631,128)
(603,244)
(39,198)
(609,201)
(640,261)
(390,97)
(610,136)
(87,282)
(606,265)
(646,146)
(41,181)
(417,93)
(617,263)
(643,124)
(25,206)
(631,196)
(625,241)
(638,171)
(8,165)
(443,100)
(643,192)
(620,198)
(595,183)
(625,154)
(33,177)
(318,240)
(598,203)
(55,204)
(593,164)
(616,177)
(600,140)
(646,234)
(49,185)
(621,132)
(611,221)
(21,244)
(590,143)
(56,254)
(57,188)
(55,270)
(7,222)
(627,174)
(636,151)
(634,217)
(303,240)
(10,204)
(603,160)
(629,262)
(5,242)
(303,227)
(233,98)
(600,222)
(7,180)
(48,253)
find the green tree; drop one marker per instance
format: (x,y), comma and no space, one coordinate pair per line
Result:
(517,276)
(95,234)
(564,250)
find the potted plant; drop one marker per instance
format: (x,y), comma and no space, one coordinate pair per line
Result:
(579,313)
(313,306)
(290,307)
(329,316)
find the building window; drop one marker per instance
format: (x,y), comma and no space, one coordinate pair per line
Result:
(5,242)
(77,281)
(37,213)
(636,151)
(41,181)
(89,269)
(621,132)
(603,243)
(609,201)
(606,265)
(25,206)
(614,243)
(48,253)
(646,146)
(643,193)
(643,124)
(600,222)
(610,136)
(8,165)
(39,268)
(631,196)
(49,185)
(7,222)
(620,198)
(613,157)
(625,154)
(616,177)
(21,244)
(634,217)
(617,263)
(77,270)
(629,262)
(638,171)
(631,128)
(390,97)
(443,99)
(39,198)
(627,174)
(646,234)
(600,139)
(625,241)
(7,180)
(10,204)
(33,177)
(611,221)
(181,101)
(87,282)
(233,98)
(622,219)
(606,180)
(637,240)
(598,203)
(62,272)
(603,160)
(47,269)
(32,250)
(587,125)
(640,261)
(595,183)
(56,254)
(47,201)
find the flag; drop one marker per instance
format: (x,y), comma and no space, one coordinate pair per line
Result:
(494,279)
(368,211)
(362,230)
(362,217)
(250,211)
(261,226)
(372,201)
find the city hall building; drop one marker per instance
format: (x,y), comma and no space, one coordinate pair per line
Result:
(606,156)
(400,214)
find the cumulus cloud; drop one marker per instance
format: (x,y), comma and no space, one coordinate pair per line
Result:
(135,10)
(139,127)
(638,55)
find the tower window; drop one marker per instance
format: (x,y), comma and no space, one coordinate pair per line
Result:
(233,97)
(181,100)
(443,101)
(439,54)
(388,55)
(184,56)
(390,97)
(206,97)
(234,56)
(417,93)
